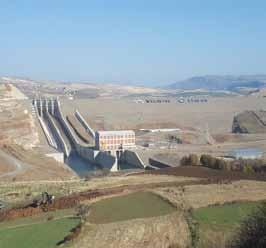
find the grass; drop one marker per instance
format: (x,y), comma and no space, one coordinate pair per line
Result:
(37,218)
(36,232)
(224,216)
(218,223)
(135,205)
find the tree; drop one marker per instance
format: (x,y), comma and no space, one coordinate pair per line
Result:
(252,232)
(193,159)
(204,159)
(208,161)
(248,169)
(82,212)
(184,161)
(220,164)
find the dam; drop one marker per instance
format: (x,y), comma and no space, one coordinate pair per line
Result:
(81,154)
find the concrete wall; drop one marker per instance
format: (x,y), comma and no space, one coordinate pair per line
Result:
(100,158)
(47,134)
(158,164)
(132,158)
(106,161)
(66,126)
(85,124)
(45,129)
(87,153)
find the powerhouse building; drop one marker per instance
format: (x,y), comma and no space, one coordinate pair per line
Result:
(114,140)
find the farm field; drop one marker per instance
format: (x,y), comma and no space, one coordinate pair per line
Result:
(38,231)
(132,206)
(218,223)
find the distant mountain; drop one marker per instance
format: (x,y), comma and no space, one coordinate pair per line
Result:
(232,83)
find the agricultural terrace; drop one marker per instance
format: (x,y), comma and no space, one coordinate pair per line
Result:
(217,224)
(42,231)
(132,206)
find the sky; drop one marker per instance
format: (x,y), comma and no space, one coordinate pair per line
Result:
(145,42)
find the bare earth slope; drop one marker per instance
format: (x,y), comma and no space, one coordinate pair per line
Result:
(18,137)
(250,122)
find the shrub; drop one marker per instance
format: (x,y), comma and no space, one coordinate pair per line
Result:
(252,232)
(184,161)
(193,159)
(248,169)
(82,212)
(208,161)
(220,164)
(51,217)
(204,159)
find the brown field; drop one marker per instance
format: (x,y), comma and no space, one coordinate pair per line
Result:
(195,196)
(218,113)
(156,232)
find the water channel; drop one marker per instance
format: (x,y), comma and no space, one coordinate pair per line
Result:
(80,165)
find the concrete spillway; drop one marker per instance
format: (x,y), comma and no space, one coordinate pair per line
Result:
(79,154)
(62,132)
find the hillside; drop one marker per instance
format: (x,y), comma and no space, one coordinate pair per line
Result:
(232,83)
(84,90)
(250,122)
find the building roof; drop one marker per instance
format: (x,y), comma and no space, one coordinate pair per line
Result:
(119,132)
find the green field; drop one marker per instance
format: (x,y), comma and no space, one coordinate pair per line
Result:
(135,205)
(218,223)
(224,216)
(36,232)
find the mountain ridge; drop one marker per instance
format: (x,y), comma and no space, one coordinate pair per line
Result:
(217,82)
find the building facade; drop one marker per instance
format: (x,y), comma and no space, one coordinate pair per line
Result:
(114,140)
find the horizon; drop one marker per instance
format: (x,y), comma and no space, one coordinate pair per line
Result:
(135,84)
(144,44)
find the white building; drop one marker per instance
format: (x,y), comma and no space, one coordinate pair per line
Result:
(114,140)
